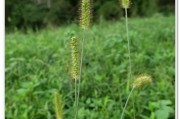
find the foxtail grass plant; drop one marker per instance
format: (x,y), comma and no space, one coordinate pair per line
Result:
(75,66)
(58,105)
(138,83)
(126,4)
(85,20)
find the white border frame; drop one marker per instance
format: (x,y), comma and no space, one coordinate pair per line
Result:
(176,62)
(2,59)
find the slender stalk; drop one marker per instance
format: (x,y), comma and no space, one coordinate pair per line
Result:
(82,53)
(75,98)
(126,103)
(129,50)
(133,106)
(129,54)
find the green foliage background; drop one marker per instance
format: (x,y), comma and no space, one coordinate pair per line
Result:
(37,65)
(22,14)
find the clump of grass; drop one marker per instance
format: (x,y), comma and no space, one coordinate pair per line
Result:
(58,105)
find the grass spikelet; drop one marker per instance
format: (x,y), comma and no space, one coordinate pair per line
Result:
(141,81)
(125,3)
(85,13)
(58,106)
(75,57)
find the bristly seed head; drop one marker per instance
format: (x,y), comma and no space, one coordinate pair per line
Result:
(141,81)
(58,106)
(125,3)
(75,58)
(85,17)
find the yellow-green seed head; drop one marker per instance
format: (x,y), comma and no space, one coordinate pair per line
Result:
(58,106)
(75,58)
(85,17)
(141,81)
(125,3)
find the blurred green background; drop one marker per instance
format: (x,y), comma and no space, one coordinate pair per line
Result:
(41,13)
(38,58)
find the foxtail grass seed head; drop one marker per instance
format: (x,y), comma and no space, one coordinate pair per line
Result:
(58,106)
(85,15)
(75,57)
(125,3)
(141,81)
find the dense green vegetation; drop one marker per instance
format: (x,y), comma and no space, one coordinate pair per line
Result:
(37,64)
(40,13)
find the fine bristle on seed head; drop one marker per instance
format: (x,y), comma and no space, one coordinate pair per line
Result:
(141,81)
(85,13)
(125,3)
(75,57)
